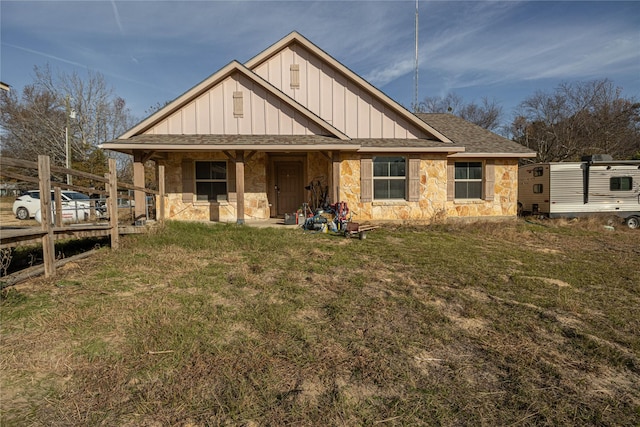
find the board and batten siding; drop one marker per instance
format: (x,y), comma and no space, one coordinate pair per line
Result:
(213,113)
(333,97)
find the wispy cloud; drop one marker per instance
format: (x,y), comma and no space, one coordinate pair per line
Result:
(45,55)
(168,46)
(116,15)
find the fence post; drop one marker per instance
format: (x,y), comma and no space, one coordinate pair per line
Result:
(48,245)
(113,204)
(57,216)
(161,190)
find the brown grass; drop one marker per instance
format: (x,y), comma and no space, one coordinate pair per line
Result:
(480,324)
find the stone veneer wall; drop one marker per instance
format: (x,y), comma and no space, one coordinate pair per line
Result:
(256,201)
(433,204)
(505,201)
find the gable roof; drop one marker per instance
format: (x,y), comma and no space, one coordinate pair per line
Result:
(214,79)
(444,133)
(295,37)
(477,141)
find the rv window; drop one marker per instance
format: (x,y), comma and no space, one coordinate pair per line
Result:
(538,171)
(620,183)
(537,188)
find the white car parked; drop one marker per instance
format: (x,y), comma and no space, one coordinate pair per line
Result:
(75,206)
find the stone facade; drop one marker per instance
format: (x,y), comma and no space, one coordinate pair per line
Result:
(432,206)
(505,202)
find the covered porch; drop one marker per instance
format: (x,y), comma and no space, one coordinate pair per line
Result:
(240,183)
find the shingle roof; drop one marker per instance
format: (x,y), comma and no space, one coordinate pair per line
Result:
(249,140)
(473,138)
(276,142)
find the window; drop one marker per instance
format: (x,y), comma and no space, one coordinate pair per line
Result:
(211,180)
(468,180)
(537,188)
(389,178)
(538,171)
(620,183)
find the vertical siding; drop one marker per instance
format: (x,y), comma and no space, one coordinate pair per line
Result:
(212,113)
(326,95)
(203,117)
(229,122)
(351,112)
(334,98)
(323,90)
(339,103)
(217,111)
(189,119)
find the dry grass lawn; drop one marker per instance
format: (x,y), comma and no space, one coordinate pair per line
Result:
(198,325)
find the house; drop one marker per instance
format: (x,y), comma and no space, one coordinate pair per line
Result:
(244,143)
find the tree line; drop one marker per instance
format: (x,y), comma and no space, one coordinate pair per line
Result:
(65,113)
(64,116)
(573,120)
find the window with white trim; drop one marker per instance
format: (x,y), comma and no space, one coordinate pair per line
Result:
(468,180)
(211,180)
(389,178)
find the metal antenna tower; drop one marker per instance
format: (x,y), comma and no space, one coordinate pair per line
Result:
(415,78)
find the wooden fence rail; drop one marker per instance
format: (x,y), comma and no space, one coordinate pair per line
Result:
(51,229)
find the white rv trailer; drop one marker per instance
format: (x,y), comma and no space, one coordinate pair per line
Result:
(596,185)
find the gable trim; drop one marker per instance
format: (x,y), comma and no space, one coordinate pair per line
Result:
(295,37)
(213,80)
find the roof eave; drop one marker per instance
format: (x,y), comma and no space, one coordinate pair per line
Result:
(494,155)
(447,150)
(130,148)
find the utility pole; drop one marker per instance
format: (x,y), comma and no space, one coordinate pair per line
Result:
(71,114)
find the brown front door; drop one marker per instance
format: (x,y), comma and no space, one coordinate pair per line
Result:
(289,186)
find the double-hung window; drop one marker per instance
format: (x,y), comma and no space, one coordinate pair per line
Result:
(389,178)
(211,180)
(468,180)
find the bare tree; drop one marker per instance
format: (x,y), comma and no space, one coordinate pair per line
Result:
(579,119)
(37,122)
(486,115)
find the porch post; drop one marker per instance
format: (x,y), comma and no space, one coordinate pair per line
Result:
(140,210)
(335,174)
(240,186)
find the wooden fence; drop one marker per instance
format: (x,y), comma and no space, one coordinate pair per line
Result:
(52,228)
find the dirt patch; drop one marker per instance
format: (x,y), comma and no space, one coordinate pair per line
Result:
(559,283)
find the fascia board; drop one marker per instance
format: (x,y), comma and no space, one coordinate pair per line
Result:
(298,38)
(204,147)
(493,155)
(411,150)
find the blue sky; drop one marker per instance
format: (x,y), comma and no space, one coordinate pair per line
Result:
(152,51)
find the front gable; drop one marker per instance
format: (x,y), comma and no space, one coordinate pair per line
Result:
(304,72)
(234,101)
(236,105)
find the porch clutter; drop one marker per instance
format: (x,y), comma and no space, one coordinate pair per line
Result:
(337,219)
